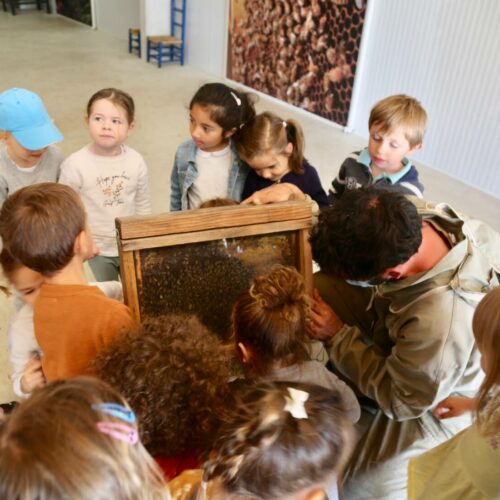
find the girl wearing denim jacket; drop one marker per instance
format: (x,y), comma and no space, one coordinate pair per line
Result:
(207,166)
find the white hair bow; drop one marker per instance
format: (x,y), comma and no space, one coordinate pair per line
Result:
(295,403)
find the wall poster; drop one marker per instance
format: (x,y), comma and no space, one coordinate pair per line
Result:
(303,52)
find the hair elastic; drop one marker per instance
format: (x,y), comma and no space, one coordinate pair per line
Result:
(284,124)
(122,432)
(236,98)
(295,403)
(116,410)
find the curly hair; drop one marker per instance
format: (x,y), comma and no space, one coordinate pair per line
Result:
(174,373)
(366,232)
(266,450)
(269,318)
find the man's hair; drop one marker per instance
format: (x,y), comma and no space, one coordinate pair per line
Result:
(39,225)
(400,111)
(174,373)
(366,232)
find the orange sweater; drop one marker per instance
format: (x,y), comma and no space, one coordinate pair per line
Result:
(72,323)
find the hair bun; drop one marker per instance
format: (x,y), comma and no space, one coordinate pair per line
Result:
(283,285)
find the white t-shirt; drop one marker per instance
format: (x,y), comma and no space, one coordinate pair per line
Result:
(213,176)
(110,187)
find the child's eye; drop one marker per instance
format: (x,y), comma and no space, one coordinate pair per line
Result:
(206,129)
(28,292)
(394,146)
(117,122)
(97,118)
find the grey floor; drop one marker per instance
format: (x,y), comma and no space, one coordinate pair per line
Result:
(65,63)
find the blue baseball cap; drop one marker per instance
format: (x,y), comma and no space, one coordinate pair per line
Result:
(23,114)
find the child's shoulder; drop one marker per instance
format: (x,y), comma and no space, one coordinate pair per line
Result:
(188,147)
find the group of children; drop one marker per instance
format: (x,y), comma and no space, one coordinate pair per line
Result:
(253,419)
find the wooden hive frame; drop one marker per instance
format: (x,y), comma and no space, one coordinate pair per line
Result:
(209,224)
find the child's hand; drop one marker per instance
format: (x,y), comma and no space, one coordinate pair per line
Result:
(32,376)
(454,407)
(322,322)
(274,194)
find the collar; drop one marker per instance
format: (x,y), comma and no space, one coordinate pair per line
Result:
(214,154)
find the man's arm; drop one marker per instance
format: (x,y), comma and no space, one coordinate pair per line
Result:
(433,345)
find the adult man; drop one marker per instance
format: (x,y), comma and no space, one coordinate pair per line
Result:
(406,343)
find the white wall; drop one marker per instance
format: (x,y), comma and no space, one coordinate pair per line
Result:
(116,16)
(445,53)
(206,35)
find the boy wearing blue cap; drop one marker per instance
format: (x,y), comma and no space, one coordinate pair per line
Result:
(28,134)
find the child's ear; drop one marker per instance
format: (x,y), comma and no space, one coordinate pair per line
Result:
(4,136)
(229,133)
(289,149)
(414,149)
(246,354)
(131,127)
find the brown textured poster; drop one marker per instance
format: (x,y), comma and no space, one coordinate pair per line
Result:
(303,52)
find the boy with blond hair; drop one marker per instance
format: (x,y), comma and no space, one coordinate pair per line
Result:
(28,135)
(397,125)
(44,226)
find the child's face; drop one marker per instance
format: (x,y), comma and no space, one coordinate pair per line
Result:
(22,157)
(108,127)
(387,149)
(206,134)
(270,165)
(27,283)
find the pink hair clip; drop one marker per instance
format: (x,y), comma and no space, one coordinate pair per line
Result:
(119,431)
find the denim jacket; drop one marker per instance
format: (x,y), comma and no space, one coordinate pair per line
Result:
(184,173)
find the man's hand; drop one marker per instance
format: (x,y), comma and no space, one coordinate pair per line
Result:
(454,407)
(275,194)
(322,322)
(33,376)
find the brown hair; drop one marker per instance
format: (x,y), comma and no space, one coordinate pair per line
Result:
(228,107)
(265,451)
(486,327)
(270,317)
(39,225)
(51,447)
(218,202)
(268,133)
(118,98)
(9,266)
(400,111)
(174,374)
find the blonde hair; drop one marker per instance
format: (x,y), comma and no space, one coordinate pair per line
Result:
(486,327)
(265,449)
(268,133)
(51,447)
(270,317)
(400,111)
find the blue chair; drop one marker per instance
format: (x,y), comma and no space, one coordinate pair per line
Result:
(170,48)
(134,41)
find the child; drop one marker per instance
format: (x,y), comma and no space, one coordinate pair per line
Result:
(467,465)
(24,351)
(280,440)
(28,134)
(44,226)
(110,177)
(76,439)
(207,166)
(269,329)
(174,373)
(274,149)
(397,126)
